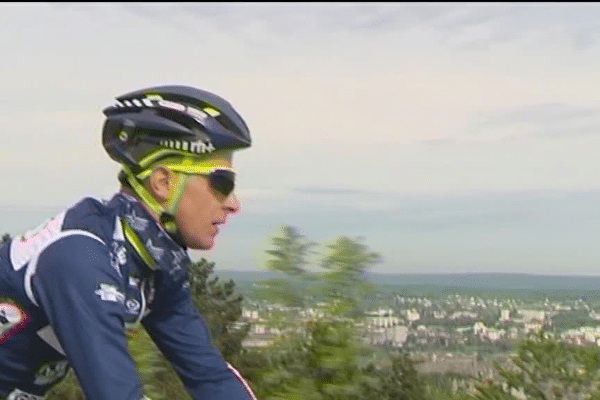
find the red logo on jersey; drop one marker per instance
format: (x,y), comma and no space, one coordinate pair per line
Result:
(12,320)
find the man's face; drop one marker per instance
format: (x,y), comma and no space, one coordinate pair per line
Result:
(202,209)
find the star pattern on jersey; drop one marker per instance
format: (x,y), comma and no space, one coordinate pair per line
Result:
(117,256)
(136,222)
(156,252)
(178,258)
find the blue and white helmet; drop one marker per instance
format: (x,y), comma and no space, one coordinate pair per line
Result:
(149,124)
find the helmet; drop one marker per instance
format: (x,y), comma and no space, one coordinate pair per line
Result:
(149,124)
(166,122)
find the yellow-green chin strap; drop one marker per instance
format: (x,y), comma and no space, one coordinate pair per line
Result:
(166,211)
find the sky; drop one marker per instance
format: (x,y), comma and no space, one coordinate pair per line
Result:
(449,138)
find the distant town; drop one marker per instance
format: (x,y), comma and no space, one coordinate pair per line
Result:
(450,323)
(450,331)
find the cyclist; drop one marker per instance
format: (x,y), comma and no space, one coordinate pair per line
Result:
(71,289)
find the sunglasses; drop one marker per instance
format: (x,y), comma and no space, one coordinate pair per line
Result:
(220,179)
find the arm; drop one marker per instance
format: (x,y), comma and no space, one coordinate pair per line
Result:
(75,285)
(181,334)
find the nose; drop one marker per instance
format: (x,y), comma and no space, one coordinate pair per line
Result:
(232,204)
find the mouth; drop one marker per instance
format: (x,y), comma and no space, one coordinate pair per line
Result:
(216,226)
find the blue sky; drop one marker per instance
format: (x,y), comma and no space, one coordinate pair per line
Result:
(453,138)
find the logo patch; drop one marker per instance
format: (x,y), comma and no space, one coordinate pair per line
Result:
(12,320)
(133,306)
(108,292)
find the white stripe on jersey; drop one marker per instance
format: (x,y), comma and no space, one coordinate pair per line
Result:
(32,266)
(242,381)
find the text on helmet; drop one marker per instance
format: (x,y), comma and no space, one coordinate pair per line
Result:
(198,146)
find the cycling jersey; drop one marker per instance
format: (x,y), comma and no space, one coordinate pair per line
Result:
(70,289)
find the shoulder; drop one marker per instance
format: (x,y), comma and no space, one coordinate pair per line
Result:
(93,215)
(71,259)
(89,217)
(71,251)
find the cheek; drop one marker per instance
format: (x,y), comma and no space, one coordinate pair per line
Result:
(194,208)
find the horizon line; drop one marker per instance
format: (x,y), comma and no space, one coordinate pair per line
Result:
(443,273)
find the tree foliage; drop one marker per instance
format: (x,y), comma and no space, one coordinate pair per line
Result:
(343,280)
(326,365)
(291,252)
(289,258)
(338,276)
(544,368)
(321,357)
(401,381)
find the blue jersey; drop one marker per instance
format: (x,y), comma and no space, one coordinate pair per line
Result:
(71,289)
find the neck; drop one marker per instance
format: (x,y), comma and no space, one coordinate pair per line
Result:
(132,194)
(175,236)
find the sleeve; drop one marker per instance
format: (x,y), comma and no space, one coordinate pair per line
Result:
(80,292)
(181,334)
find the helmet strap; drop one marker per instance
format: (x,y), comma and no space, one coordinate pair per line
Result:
(166,215)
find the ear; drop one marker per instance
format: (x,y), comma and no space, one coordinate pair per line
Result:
(159,182)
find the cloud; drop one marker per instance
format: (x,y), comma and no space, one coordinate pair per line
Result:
(470,27)
(482,26)
(543,119)
(282,19)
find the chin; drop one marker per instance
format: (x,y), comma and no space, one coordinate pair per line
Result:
(207,244)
